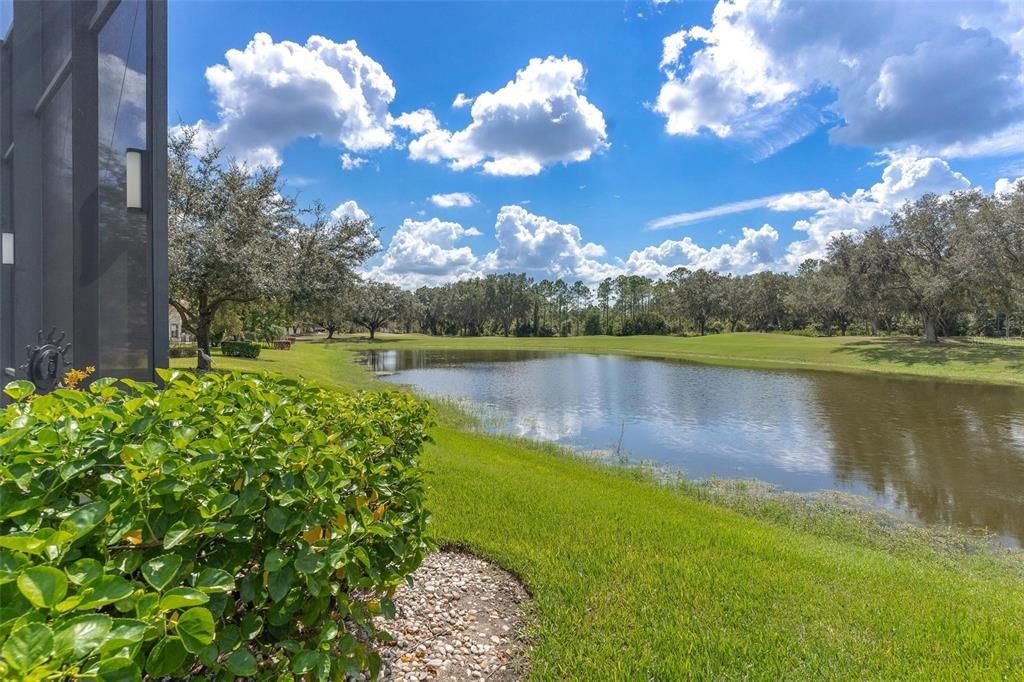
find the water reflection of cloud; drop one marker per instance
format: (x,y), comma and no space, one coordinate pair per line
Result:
(121,85)
(547,426)
(947,454)
(1015,433)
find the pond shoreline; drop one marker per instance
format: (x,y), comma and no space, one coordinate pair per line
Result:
(884,441)
(956,360)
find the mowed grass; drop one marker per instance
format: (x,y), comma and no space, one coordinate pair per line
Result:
(974,360)
(636,580)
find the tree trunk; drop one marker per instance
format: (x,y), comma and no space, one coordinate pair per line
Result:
(373,330)
(330,332)
(203,362)
(930,335)
(1007,324)
(874,327)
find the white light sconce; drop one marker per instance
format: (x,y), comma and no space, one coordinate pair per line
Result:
(7,249)
(133,178)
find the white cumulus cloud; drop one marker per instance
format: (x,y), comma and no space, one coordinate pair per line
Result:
(351,162)
(431,252)
(272,93)
(671,48)
(1006,185)
(941,75)
(753,252)
(543,247)
(416,122)
(538,119)
(453,199)
(349,209)
(905,177)
(427,252)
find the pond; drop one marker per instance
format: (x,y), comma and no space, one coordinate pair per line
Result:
(942,452)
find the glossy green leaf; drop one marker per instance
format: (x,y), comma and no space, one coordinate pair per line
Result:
(196,629)
(278,519)
(10,564)
(304,662)
(280,582)
(166,657)
(251,626)
(154,447)
(176,534)
(84,519)
(329,632)
(229,638)
(275,560)
(214,580)
(44,586)
(22,542)
(208,655)
(84,571)
(97,385)
(28,646)
(19,389)
(160,571)
(146,604)
(182,597)
(80,635)
(106,590)
(387,607)
(123,632)
(241,663)
(118,669)
(309,561)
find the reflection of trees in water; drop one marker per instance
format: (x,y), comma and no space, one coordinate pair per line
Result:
(944,451)
(398,360)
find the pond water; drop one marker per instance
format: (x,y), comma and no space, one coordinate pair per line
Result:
(941,452)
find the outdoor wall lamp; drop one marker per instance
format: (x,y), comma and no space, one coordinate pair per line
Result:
(7,249)
(133,178)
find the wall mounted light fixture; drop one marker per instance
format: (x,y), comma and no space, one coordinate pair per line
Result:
(7,248)
(133,178)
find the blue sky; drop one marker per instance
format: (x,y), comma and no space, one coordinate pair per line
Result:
(601,121)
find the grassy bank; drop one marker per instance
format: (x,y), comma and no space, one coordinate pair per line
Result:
(634,580)
(974,360)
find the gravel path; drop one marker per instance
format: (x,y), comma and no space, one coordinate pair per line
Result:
(461,620)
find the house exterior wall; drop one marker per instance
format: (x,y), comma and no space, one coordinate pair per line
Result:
(83,82)
(176,330)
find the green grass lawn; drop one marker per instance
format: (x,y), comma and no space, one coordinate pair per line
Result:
(974,360)
(636,580)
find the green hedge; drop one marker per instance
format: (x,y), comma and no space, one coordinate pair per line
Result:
(227,525)
(240,349)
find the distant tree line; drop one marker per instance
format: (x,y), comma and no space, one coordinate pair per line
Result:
(943,266)
(246,261)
